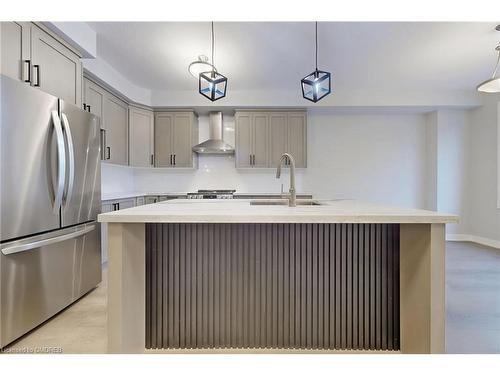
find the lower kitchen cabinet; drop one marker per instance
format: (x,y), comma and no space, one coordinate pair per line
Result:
(141,137)
(151,199)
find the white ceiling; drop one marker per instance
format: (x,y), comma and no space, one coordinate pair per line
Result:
(276,55)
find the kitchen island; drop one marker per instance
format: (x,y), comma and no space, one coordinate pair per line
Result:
(259,276)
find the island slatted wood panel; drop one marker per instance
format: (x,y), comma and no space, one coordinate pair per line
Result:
(302,286)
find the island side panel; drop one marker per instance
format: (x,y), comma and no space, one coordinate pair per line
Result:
(126,288)
(422,284)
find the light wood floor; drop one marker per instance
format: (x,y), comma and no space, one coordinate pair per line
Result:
(472,309)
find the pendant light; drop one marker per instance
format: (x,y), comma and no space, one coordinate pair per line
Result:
(200,65)
(212,84)
(492,85)
(316,85)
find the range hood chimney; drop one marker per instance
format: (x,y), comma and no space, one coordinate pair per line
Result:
(215,144)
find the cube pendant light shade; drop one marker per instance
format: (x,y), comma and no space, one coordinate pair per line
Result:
(316,85)
(212,85)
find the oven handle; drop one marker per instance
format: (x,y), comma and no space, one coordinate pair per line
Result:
(49,241)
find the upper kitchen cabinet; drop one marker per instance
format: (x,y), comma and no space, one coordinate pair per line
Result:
(35,56)
(252,148)
(262,137)
(296,138)
(278,129)
(93,98)
(55,68)
(115,124)
(175,134)
(114,116)
(141,137)
(15,52)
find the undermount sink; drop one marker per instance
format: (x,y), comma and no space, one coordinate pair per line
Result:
(284,202)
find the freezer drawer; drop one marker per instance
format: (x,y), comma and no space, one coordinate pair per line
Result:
(41,275)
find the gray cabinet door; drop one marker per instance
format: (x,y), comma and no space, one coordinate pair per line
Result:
(151,199)
(55,69)
(182,141)
(164,127)
(260,139)
(243,124)
(297,138)
(94,98)
(15,49)
(116,125)
(107,207)
(126,203)
(277,137)
(141,137)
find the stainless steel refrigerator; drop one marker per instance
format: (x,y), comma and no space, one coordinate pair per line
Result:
(50,193)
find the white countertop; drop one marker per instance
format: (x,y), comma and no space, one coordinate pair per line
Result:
(240,211)
(131,194)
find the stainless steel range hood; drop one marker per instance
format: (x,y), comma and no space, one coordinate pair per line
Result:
(215,144)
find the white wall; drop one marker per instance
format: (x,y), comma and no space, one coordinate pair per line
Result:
(453,154)
(372,157)
(379,158)
(484,216)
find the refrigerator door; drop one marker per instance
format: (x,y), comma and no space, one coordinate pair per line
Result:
(82,193)
(32,170)
(43,274)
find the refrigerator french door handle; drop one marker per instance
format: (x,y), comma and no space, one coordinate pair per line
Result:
(71,157)
(61,162)
(49,241)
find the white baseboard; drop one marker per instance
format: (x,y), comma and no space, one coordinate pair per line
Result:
(471,238)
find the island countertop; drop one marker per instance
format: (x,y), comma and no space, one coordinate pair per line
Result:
(240,211)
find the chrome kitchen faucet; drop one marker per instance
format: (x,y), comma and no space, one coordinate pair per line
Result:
(292,198)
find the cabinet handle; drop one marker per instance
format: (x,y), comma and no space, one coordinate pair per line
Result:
(29,71)
(84,106)
(88,108)
(250,159)
(109,153)
(37,67)
(253,159)
(152,159)
(171,162)
(174,159)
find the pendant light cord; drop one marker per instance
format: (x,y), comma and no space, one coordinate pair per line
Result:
(213,65)
(498,62)
(316,45)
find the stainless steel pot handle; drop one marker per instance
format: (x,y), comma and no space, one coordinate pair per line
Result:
(61,162)
(71,157)
(49,241)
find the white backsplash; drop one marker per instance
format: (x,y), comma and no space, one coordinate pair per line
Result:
(116,178)
(214,171)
